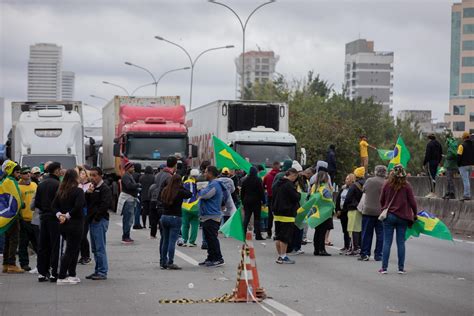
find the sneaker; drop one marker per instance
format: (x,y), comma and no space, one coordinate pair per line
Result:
(42,278)
(465,198)
(215,263)
(26,268)
(99,277)
(287,260)
(127,241)
(192,245)
(204,263)
(173,267)
(74,279)
(14,269)
(163,267)
(89,277)
(307,241)
(85,261)
(53,279)
(33,271)
(378,258)
(279,260)
(137,227)
(402,272)
(383,271)
(66,281)
(204,246)
(180,242)
(324,254)
(363,258)
(297,252)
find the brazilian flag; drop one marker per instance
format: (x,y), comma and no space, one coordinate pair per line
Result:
(401,155)
(430,225)
(227,157)
(264,211)
(304,209)
(322,208)
(10,202)
(385,154)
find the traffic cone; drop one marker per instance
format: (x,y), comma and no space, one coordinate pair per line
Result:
(248,275)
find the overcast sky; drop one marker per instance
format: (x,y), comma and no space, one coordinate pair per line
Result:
(97,36)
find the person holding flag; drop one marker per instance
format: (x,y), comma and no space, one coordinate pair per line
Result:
(190,211)
(364,152)
(10,205)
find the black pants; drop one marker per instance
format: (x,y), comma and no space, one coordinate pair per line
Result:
(210,229)
(270,216)
(296,239)
(48,249)
(320,237)
(155,216)
(254,209)
(85,248)
(28,233)
(344,221)
(145,211)
(71,232)
(12,237)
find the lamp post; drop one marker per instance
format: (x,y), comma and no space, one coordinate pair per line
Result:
(143,68)
(155,82)
(192,62)
(244,27)
(116,85)
(97,97)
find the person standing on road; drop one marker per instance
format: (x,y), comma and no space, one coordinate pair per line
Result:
(99,201)
(321,185)
(433,158)
(48,250)
(146,180)
(397,196)
(172,197)
(341,212)
(127,201)
(370,215)
(229,206)
(84,184)
(354,223)
(69,204)
(190,217)
(451,165)
(466,163)
(285,205)
(210,216)
(138,202)
(28,231)
(267,183)
(253,195)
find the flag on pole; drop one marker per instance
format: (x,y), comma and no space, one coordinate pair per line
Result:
(227,157)
(385,154)
(234,227)
(322,208)
(401,155)
(430,225)
(10,202)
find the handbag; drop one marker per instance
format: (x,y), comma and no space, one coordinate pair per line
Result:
(361,205)
(384,213)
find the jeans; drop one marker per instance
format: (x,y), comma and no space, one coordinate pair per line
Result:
(127,219)
(450,179)
(465,172)
(171,227)
(85,247)
(12,237)
(369,224)
(28,233)
(210,229)
(190,220)
(48,249)
(71,232)
(391,223)
(137,212)
(263,224)
(98,232)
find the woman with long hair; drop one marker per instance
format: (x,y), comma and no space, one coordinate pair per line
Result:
(397,196)
(68,205)
(84,184)
(172,197)
(322,187)
(253,196)
(354,217)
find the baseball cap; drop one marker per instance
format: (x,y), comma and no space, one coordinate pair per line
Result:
(225,170)
(25,170)
(35,170)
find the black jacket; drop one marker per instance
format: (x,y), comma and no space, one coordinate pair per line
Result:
(45,195)
(434,152)
(129,185)
(98,203)
(252,192)
(73,204)
(331,160)
(146,180)
(354,195)
(285,200)
(175,208)
(467,157)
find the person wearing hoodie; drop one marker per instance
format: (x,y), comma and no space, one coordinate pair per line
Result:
(127,201)
(285,205)
(287,164)
(253,195)
(267,184)
(229,207)
(433,158)
(466,163)
(146,180)
(354,224)
(138,205)
(370,215)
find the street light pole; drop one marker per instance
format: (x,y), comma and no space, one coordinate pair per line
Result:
(97,97)
(244,28)
(158,81)
(116,85)
(148,71)
(192,62)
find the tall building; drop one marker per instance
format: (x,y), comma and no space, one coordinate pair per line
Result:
(368,74)
(45,72)
(67,88)
(461,89)
(259,67)
(421,118)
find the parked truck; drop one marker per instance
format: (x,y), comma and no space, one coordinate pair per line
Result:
(257,130)
(143,130)
(47,131)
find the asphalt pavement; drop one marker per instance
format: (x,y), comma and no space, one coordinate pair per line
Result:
(439,282)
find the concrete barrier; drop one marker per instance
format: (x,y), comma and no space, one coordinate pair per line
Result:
(457,215)
(421,186)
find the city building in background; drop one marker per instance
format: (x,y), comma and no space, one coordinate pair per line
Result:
(45,72)
(461,89)
(259,67)
(420,118)
(368,73)
(67,86)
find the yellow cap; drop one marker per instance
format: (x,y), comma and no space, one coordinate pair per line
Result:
(225,170)
(8,167)
(359,172)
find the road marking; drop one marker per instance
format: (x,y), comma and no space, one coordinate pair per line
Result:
(280,307)
(186,258)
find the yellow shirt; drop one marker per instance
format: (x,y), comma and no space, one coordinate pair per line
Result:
(363,148)
(27,194)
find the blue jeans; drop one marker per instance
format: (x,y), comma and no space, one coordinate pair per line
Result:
(369,224)
(465,172)
(391,223)
(137,212)
(127,218)
(171,228)
(98,231)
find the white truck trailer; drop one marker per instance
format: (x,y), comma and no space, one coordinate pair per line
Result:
(47,131)
(257,130)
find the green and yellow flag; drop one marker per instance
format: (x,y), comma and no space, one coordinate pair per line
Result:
(430,225)
(234,227)
(401,155)
(322,208)
(385,154)
(10,202)
(264,212)
(227,157)
(303,210)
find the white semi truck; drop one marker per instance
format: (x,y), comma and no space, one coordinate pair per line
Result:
(47,131)
(257,130)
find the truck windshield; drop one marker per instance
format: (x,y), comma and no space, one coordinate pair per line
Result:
(67,162)
(147,148)
(266,154)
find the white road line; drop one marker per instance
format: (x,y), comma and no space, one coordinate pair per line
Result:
(280,307)
(186,258)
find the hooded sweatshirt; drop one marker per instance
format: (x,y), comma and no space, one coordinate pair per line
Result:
(286,165)
(285,201)
(268,181)
(252,192)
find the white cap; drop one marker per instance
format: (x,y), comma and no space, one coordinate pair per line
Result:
(297,166)
(194,173)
